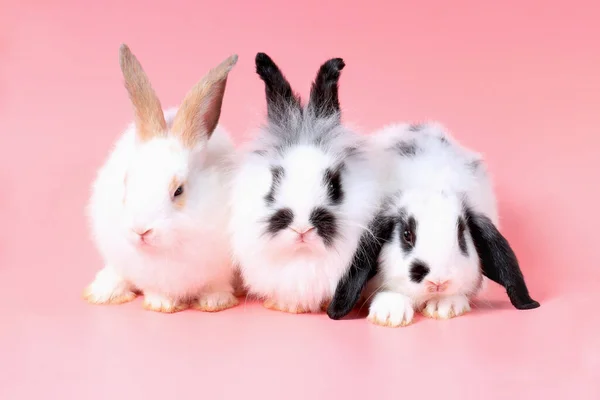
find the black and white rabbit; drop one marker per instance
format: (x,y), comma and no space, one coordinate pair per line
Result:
(302,194)
(435,236)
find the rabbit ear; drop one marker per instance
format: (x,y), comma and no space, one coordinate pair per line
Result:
(280,97)
(364,266)
(199,112)
(498,260)
(324,100)
(149,117)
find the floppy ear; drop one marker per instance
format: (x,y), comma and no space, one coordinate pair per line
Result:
(199,112)
(149,117)
(498,261)
(280,97)
(364,266)
(324,100)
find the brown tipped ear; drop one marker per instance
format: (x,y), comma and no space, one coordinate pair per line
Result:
(149,117)
(200,110)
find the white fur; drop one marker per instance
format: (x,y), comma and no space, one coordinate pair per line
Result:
(289,276)
(189,253)
(431,185)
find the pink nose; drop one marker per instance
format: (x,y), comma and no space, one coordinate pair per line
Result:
(438,286)
(142,232)
(303,233)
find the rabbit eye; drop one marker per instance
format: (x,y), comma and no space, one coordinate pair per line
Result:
(408,237)
(179,191)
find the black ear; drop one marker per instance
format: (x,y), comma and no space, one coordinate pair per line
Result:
(280,97)
(324,100)
(498,261)
(364,266)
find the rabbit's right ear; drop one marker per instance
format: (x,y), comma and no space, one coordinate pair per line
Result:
(199,113)
(364,266)
(280,97)
(149,117)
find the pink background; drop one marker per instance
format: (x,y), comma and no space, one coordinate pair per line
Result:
(517,80)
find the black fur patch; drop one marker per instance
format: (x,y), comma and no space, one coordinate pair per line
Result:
(444,140)
(277,174)
(333,182)
(406,149)
(462,243)
(325,223)
(418,271)
(351,151)
(415,127)
(474,165)
(281,220)
(364,266)
(261,153)
(407,231)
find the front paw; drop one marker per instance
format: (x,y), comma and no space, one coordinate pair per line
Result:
(446,307)
(163,304)
(213,302)
(287,308)
(108,288)
(391,309)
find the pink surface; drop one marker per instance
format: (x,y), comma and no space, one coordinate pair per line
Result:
(519,81)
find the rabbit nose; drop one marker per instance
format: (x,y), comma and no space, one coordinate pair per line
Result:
(303,232)
(142,231)
(438,286)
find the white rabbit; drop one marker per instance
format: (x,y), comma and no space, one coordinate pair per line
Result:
(436,234)
(158,207)
(302,195)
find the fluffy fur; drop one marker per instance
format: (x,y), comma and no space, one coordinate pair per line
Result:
(158,209)
(435,236)
(305,171)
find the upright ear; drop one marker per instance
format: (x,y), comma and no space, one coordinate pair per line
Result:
(149,117)
(364,266)
(498,261)
(280,97)
(199,112)
(324,100)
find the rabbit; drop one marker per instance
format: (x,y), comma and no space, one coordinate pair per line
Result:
(158,209)
(302,194)
(435,235)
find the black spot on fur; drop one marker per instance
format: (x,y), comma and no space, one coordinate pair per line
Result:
(418,271)
(498,261)
(406,149)
(277,174)
(407,229)
(351,151)
(415,127)
(333,182)
(444,140)
(279,221)
(324,100)
(325,223)
(364,266)
(474,165)
(462,243)
(261,153)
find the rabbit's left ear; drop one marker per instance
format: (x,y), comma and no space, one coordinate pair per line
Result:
(498,260)
(364,266)
(324,100)
(199,113)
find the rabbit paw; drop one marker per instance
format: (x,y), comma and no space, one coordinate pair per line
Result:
(217,301)
(163,304)
(391,309)
(446,307)
(108,288)
(288,308)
